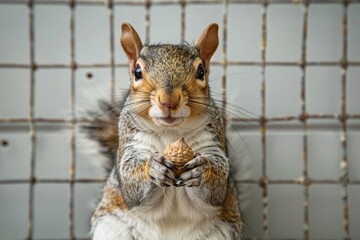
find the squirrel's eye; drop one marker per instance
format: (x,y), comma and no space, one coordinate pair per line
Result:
(137,73)
(200,72)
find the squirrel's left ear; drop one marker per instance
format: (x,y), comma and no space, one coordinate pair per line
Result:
(208,42)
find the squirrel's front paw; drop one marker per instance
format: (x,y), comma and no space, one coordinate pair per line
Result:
(161,171)
(195,172)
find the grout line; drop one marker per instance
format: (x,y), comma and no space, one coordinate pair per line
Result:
(183,20)
(72,169)
(112,52)
(344,166)
(148,4)
(215,63)
(264,179)
(32,124)
(171,2)
(306,177)
(224,64)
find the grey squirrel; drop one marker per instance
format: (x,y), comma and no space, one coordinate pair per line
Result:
(169,98)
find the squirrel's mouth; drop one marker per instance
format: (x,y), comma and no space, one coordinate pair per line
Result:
(169,120)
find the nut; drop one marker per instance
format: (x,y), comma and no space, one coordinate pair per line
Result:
(179,153)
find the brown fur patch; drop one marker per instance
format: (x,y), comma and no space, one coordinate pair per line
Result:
(209,174)
(142,170)
(229,212)
(112,201)
(147,169)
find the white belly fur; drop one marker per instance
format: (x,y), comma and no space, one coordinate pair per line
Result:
(174,217)
(170,215)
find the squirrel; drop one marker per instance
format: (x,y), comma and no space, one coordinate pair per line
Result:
(169,98)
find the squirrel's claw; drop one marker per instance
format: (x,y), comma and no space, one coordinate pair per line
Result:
(194,172)
(160,171)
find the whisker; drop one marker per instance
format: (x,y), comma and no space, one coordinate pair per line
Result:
(230,104)
(226,75)
(207,105)
(236,110)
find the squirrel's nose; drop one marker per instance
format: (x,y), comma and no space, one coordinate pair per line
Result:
(169,105)
(166,100)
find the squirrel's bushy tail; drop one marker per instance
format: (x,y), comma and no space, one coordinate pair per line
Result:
(101,127)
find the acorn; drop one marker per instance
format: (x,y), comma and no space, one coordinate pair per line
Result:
(179,153)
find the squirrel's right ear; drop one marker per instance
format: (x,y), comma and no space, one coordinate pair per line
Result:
(130,42)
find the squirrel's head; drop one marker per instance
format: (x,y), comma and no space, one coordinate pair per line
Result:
(169,83)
